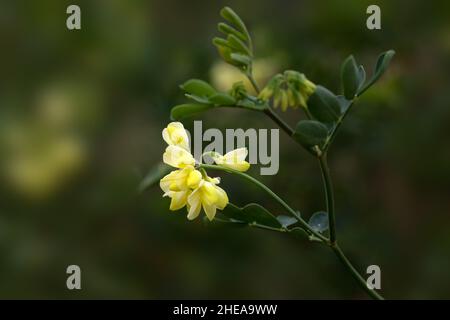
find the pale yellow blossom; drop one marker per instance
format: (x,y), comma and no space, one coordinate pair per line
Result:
(175,135)
(208,196)
(182,179)
(178,199)
(189,187)
(178,157)
(234,159)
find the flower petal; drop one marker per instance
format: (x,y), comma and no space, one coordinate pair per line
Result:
(213,180)
(217,157)
(176,135)
(194,179)
(195,204)
(179,199)
(234,159)
(176,180)
(222,199)
(241,166)
(236,155)
(210,211)
(209,195)
(178,157)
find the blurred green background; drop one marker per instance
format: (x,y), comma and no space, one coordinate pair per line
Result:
(81,114)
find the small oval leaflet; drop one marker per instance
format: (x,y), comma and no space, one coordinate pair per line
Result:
(251,213)
(286,221)
(319,221)
(310,133)
(186,110)
(324,106)
(198,87)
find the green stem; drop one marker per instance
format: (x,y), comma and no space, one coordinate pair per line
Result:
(261,226)
(348,265)
(255,225)
(283,125)
(303,223)
(329,196)
(337,126)
(253,81)
(269,112)
(336,249)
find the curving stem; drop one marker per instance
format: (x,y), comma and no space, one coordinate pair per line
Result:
(291,211)
(350,268)
(329,195)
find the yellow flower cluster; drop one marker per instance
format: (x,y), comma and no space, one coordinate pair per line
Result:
(291,89)
(188,186)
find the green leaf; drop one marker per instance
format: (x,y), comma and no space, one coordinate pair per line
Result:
(253,104)
(225,51)
(153,176)
(223,220)
(198,88)
(185,110)
(324,105)
(233,212)
(380,67)
(351,77)
(238,45)
(222,99)
(319,221)
(226,29)
(201,100)
(311,133)
(228,14)
(220,42)
(286,221)
(246,103)
(300,233)
(251,213)
(362,76)
(343,103)
(241,58)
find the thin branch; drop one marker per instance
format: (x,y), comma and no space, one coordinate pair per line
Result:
(329,196)
(280,122)
(361,281)
(294,213)
(253,81)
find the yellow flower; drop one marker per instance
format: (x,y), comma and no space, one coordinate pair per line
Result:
(180,180)
(176,135)
(266,93)
(290,89)
(308,87)
(188,186)
(207,196)
(178,185)
(234,159)
(178,199)
(178,157)
(284,100)
(272,86)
